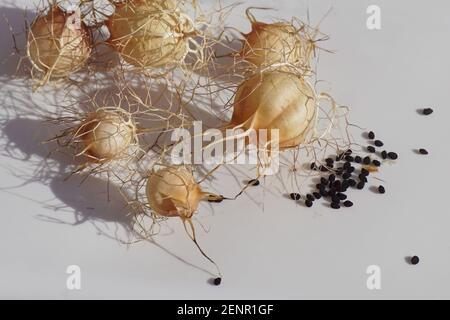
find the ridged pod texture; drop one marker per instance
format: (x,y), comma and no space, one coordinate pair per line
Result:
(268,44)
(106,135)
(56,46)
(276,100)
(172,191)
(149,33)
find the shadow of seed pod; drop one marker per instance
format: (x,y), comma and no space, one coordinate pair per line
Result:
(150,33)
(58,43)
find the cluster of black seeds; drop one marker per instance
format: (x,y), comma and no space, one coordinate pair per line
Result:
(346,171)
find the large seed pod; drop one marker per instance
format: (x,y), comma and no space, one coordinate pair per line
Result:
(150,33)
(58,43)
(106,135)
(276,100)
(172,191)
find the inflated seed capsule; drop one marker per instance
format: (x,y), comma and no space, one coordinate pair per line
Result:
(423,151)
(384,154)
(371,149)
(335,205)
(376,163)
(392,155)
(381,189)
(379,143)
(371,135)
(366,160)
(348,204)
(295,196)
(360,185)
(310,197)
(308,203)
(317,195)
(427,111)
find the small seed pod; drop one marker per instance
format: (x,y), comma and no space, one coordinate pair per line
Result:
(275,43)
(106,135)
(276,100)
(172,191)
(59,43)
(150,33)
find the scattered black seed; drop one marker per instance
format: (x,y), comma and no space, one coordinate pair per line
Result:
(351,182)
(345,184)
(319,185)
(335,199)
(348,152)
(346,165)
(341,196)
(371,149)
(329,162)
(317,195)
(366,160)
(381,189)
(371,135)
(427,111)
(295,196)
(423,151)
(348,204)
(323,180)
(339,171)
(313,166)
(254,182)
(346,175)
(332,193)
(323,168)
(323,192)
(217,281)
(392,155)
(332,177)
(384,154)
(415,260)
(335,205)
(376,163)
(358,159)
(310,197)
(365,172)
(337,184)
(362,178)
(360,185)
(378,143)
(350,169)
(308,203)
(349,158)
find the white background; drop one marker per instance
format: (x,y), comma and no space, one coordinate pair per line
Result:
(267,246)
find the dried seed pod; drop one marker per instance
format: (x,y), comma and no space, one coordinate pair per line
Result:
(276,100)
(150,33)
(275,43)
(172,191)
(106,135)
(58,43)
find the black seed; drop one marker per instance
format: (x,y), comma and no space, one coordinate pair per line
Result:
(335,199)
(317,195)
(341,196)
(345,184)
(350,169)
(349,158)
(348,204)
(217,281)
(332,177)
(335,205)
(381,189)
(339,157)
(415,260)
(310,197)
(379,143)
(346,175)
(358,159)
(348,152)
(337,184)
(319,185)
(323,192)
(365,172)
(360,185)
(371,149)
(254,182)
(384,154)
(308,203)
(362,178)
(427,111)
(371,135)
(329,162)
(332,193)
(313,166)
(339,171)
(376,163)
(366,160)
(392,155)
(323,181)
(423,151)
(347,165)
(351,182)
(295,196)
(323,168)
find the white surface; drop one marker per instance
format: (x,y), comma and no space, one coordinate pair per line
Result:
(269,247)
